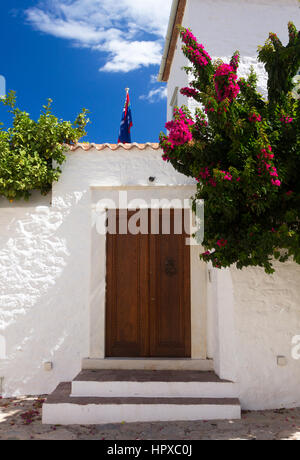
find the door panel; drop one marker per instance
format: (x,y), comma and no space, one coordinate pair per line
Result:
(170,331)
(148,292)
(127,294)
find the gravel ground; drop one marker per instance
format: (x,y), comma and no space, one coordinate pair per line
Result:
(20,419)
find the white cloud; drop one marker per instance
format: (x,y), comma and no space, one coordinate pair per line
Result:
(125,56)
(130,33)
(155,95)
(153,78)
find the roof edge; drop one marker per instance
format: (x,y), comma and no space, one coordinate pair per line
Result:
(176,17)
(86,146)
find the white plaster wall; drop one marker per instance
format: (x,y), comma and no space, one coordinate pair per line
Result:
(226,25)
(45,276)
(178,77)
(267,317)
(46,285)
(41,319)
(252,320)
(223,26)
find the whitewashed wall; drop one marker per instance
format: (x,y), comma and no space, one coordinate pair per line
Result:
(45,285)
(45,267)
(267,317)
(45,253)
(223,26)
(252,320)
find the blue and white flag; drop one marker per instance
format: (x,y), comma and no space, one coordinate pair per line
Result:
(126,123)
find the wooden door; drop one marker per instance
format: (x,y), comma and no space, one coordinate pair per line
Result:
(148,290)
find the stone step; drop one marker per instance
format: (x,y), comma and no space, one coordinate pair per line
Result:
(148,364)
(149,384)
(62,409)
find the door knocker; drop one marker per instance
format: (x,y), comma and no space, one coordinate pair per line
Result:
(170,268)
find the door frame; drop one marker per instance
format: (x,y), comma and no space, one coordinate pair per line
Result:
(97,294)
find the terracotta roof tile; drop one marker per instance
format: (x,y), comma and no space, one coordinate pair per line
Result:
(86,147)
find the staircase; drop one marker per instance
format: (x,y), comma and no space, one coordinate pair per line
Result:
(114,396)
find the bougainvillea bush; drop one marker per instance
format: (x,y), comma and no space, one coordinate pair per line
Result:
(244,152)
(31,152)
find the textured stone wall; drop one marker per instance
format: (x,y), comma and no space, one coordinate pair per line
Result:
(45,267)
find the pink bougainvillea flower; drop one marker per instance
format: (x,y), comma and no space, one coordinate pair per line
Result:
(205,176)
(286,120)
(227,175)
(195,51)
(225,83)
(276,182)
(180,132)
(267,154)
(274,172)
(189,92)
(235,61)
(255,118)
(222,243)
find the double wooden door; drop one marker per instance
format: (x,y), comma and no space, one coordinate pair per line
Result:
(148,312)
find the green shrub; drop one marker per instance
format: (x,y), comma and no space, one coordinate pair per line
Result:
(31,152)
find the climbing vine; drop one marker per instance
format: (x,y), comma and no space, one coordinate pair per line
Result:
(32,152)
(244,152)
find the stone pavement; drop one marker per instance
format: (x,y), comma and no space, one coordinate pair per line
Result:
(20,419)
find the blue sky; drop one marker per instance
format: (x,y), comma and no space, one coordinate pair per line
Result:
(83,53)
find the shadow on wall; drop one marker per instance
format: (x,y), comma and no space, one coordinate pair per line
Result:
(42,317)
(36,199)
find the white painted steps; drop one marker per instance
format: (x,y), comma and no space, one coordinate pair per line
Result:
(61,409)
(107,396)
(155,384)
